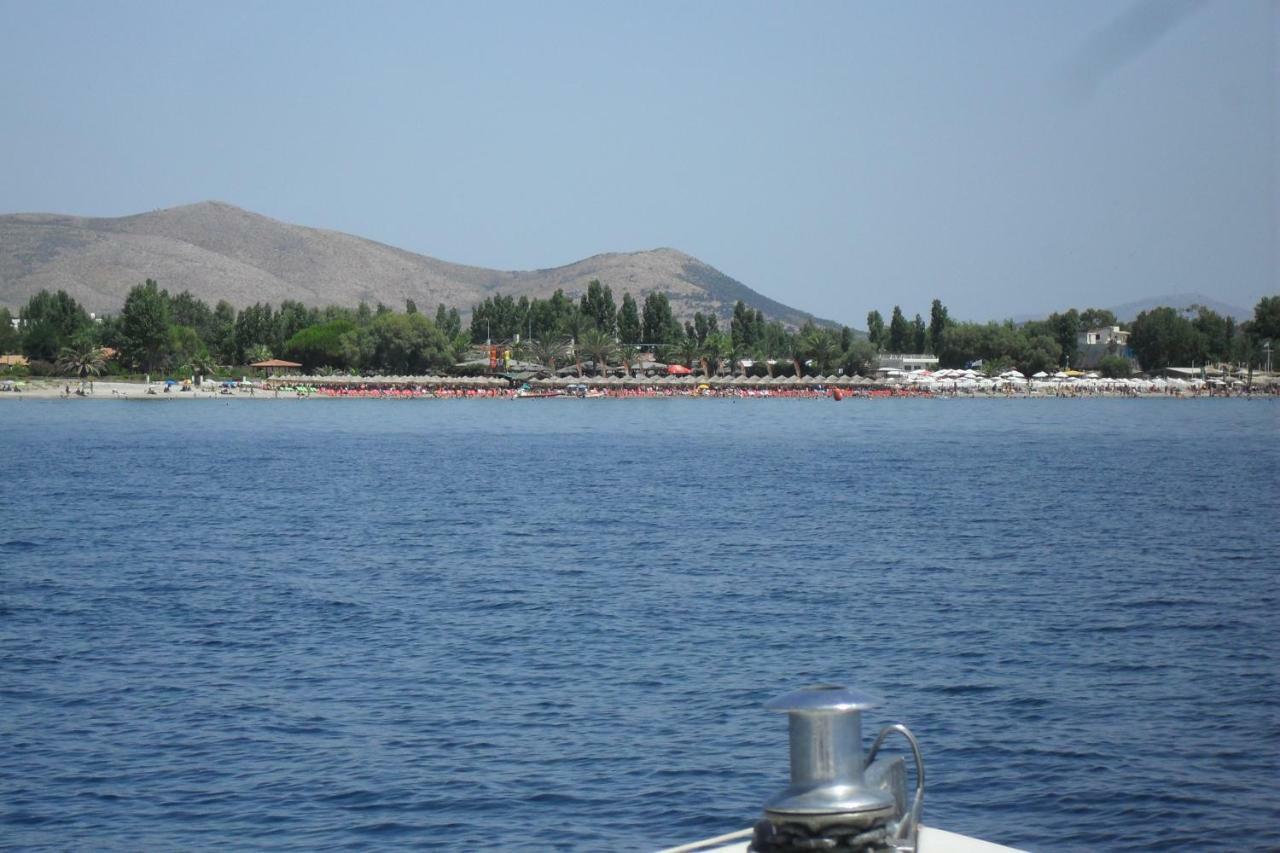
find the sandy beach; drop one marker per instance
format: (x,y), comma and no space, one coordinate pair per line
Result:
(108,390)
(44,389)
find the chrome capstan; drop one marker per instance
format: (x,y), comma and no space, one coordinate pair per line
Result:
(838,799)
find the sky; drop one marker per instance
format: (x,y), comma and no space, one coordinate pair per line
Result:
(1008,158)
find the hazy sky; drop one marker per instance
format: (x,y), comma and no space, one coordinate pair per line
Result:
(1006,157)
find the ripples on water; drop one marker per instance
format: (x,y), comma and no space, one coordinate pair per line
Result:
(550,624)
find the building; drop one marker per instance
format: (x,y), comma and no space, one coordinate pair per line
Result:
(907,361)
(1094,345)
(1103,336)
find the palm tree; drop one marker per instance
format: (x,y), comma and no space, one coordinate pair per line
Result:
(600,347)
(822,347)
(258,352)
(718,347)
(202,363)
(797,350)
(628,354)
(546,351)
(576,325)
(765,352)
(685,350)
(83,359)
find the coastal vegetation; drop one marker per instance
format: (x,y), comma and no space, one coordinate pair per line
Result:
(157,332)
(1158,338)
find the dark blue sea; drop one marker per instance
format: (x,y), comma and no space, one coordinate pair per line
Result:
(546,625)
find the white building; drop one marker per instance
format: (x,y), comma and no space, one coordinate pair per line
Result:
(1103,336)
(907,361)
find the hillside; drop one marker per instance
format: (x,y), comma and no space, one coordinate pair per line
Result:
(218,251)
(1127,312)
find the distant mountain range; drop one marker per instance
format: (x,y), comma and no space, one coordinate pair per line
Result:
(218,251)
(1128,311)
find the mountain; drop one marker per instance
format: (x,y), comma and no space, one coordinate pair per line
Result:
(218,251)
(1127,312)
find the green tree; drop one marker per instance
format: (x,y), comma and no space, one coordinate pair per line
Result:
(575,326)
(222,339)
(599,346)
(658,323)
(185,309)
(797,348)
(774,344)
(185,347)
(597,304)
(629,327)
(408,344)
(742,327)
(1266,320)
(938,320)
(497,318)
(714,349)
(1066,331)
(823,348)
(684,351)
(628,354)
(1162,338)
(547,351)
(1114,366)
(919,335)
(859,358)
(255,328)
(703,325)
(10,339)
(899,332)
(83,358)
(1035,354)
(1097,318)
(321,345)
(51,321)
(448,321)
(875,329)
(292,318)
(1216,333)
(144,327)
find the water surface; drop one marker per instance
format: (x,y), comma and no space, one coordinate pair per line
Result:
(550,624)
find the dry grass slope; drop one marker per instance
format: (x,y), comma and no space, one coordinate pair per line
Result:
(218,251)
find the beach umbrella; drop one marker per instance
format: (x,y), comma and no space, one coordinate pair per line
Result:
(678,370)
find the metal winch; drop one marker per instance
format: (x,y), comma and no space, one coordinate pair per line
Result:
(838,799)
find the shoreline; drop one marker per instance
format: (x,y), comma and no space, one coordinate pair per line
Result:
(373,389)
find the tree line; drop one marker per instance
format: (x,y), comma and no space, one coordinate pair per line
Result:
(159,332)
(1159,338)
(600,330)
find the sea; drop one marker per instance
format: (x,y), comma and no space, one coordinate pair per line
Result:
(552,624)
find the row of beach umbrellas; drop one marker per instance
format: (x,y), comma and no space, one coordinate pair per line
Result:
(594,381)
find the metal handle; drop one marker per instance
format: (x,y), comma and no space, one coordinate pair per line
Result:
(907,826)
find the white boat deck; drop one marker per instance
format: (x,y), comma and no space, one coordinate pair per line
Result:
(931,841)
